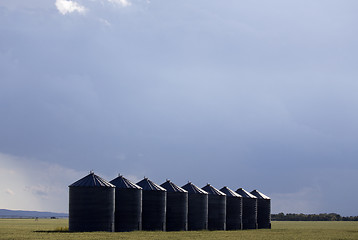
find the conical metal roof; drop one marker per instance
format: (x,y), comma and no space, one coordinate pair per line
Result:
(171,187)
(244,193)
(91,180)
(191,188)
(122,182)
(212,190)
(148,185)
(259,195)
(229,192)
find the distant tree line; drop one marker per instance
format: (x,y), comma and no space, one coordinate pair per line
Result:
(311,217)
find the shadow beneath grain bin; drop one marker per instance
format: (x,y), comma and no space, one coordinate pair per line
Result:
(56,230)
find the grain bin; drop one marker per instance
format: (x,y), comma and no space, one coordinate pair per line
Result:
(197,207)
(128,201)
(263,209)
(177,207)
(153,206)
(249,209)
(233,209)
(91,205)
(216,208)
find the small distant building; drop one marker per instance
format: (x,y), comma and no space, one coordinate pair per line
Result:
(91,205)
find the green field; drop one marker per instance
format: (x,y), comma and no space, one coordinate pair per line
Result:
(49,229)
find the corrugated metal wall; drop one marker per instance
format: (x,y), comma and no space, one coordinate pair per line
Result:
(197,208)
(197,211)
(264,213)
(263,210)
(216,208)
(216,212)
(177,211)
(249,209)
(233,209)
(233,213)
(154,206)
(154,210)
(128,212)
(249,213)
(128,209)
(91,209)
(177,207)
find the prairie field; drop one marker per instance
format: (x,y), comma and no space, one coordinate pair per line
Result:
(53,229)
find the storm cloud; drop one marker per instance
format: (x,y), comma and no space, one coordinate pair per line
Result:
(259,95)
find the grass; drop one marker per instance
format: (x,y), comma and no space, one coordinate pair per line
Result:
(58,229)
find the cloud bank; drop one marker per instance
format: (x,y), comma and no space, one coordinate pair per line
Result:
(34,185)
(28,184)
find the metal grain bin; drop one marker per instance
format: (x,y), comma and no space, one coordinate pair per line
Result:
(216,208)
(153,206)
(233,209)
(197,207)
(91,205)
(249,209)
(128,210)
(263,209)
(177,207)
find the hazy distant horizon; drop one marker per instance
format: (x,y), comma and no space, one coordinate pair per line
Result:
(34,213)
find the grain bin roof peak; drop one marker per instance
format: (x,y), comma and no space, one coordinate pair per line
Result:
(191,188)
(259,195)
(212,190)
(171,187)
(229,192)
(148,185)
(91,180)
(244,193)
(122,182)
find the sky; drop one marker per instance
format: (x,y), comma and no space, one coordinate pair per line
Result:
(253,94)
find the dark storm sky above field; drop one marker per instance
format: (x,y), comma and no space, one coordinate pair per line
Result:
(253,94)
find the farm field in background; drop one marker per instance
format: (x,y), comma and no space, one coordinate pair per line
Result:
(48,229)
